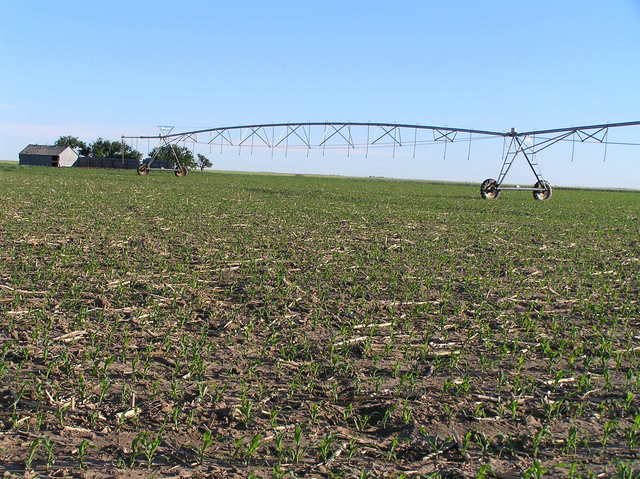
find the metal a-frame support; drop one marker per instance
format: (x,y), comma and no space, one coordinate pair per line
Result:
(180,169)
(517,147)
(491,188)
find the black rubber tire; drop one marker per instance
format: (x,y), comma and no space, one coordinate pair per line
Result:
(542,195)
(489,189)
(143,170)
(180,171)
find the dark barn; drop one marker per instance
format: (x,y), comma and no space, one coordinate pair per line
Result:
(47,155)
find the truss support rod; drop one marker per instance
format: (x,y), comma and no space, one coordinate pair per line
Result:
(506,164)
(590,135)
(221,135)
(547,143)
(254,131)
(575,128)
(336,131)
(289,132)
(531,165)
(444,135)
(304,140)
(387,133)
(348,140)
(366,152)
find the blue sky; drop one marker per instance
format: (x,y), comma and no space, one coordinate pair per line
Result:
(109,68)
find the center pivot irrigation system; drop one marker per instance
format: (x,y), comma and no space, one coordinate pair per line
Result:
(367,136)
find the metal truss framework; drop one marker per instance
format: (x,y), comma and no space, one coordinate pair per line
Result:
(340,135)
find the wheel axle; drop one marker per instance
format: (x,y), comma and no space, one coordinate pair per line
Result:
(490,189)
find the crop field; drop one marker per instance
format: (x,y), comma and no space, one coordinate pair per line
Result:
(245,325)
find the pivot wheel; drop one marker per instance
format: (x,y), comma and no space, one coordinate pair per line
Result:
(180,171)
(489,189)
(544,193)
(143,170)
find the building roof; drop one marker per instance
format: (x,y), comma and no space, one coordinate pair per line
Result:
(45,150)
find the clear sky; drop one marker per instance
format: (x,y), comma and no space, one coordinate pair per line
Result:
(94,69)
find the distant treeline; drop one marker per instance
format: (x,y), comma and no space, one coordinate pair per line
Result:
(102,148)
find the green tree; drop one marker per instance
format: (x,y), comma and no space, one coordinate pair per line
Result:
(165,154)
(102,148)
(74,142)
(130,152)
(203,162)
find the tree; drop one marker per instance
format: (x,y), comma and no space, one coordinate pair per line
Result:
(203,162)
(75,143)
(130,152)
(165,154)
(102,148)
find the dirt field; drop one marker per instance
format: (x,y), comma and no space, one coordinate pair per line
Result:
(228,325)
